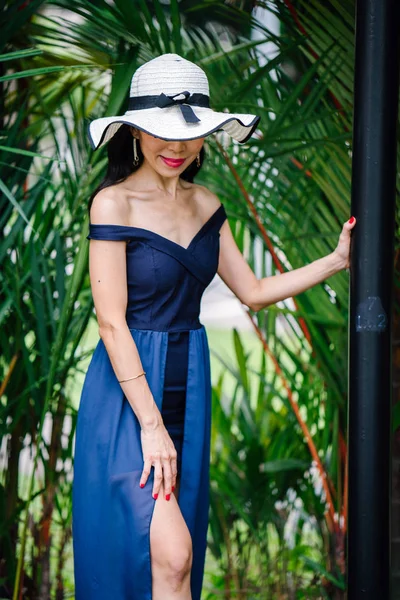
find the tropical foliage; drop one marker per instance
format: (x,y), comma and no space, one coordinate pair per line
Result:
(278,512)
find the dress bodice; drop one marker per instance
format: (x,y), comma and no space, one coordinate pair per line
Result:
(165,280)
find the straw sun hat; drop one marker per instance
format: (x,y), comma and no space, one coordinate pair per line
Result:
(169,99)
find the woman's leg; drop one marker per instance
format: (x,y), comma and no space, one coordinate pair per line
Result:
(171,550)
(170,540)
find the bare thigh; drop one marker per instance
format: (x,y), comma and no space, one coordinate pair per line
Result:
(170,540)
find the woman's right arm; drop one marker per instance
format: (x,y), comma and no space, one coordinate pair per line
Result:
(107,268)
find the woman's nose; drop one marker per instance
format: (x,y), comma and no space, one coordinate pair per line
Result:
(177,146)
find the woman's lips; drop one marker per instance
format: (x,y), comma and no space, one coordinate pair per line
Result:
(172,162)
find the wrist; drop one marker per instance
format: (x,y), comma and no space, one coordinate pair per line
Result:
(152,420)
(336,263)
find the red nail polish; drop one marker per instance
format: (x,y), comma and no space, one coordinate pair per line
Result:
(173,488)
(142,485)
(155,496)
(351,220)
(168,496)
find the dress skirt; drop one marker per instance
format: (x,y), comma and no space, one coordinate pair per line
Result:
(111,514)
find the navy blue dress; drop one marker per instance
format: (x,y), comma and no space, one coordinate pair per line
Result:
(111,514)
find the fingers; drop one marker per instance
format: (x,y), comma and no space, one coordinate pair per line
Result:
(173,461)
(348,226)
(163,457)
(145,472)
(174,469)
(158,477)
(164,473)
(166,465)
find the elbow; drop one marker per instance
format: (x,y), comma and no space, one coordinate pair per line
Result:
(253,300)
(253,306)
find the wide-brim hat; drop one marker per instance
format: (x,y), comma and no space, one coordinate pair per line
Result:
(170,99)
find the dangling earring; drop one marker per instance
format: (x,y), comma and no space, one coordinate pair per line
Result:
(198,159)
(135,154)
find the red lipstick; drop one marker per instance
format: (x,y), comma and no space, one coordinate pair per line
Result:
(173,162)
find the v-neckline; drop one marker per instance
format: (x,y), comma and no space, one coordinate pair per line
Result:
(163,237)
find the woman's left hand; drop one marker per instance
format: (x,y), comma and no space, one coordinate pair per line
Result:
(342,250)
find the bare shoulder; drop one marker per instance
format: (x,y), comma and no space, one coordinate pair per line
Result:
(109,206)
(206,199)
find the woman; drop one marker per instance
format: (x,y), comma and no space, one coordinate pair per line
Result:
(141,487)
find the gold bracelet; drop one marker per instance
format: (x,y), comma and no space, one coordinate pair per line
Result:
(129,378)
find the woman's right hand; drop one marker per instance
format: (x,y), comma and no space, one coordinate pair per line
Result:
(159,451)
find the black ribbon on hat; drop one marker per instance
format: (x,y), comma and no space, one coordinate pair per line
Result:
(162,101)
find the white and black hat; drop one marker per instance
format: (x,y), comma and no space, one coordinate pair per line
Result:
(170,99)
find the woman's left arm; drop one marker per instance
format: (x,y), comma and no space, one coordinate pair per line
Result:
(260,293)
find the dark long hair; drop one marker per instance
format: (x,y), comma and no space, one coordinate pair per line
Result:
(120,161)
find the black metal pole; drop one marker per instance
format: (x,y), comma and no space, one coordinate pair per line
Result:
(371,290)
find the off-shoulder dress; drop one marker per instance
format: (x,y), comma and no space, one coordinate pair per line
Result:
(111,514)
